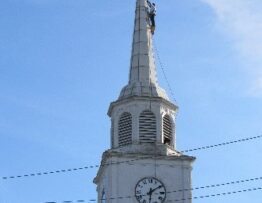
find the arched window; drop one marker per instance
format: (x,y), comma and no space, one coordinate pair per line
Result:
(125,129)
(147,127)
(167,130)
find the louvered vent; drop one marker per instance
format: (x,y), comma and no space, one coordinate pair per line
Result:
(167,130)
(147,127)
(125,129)
(112,133)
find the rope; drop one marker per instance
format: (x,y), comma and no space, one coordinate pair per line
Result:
(164,73)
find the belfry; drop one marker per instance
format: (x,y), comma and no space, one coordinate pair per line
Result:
(143,164)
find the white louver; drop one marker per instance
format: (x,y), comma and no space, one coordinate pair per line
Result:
(125,129)
(167,130)
(147,127)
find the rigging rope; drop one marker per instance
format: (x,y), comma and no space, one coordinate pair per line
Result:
(164,72)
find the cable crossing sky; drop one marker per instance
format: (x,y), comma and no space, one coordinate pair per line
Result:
(175,200)
(132,160)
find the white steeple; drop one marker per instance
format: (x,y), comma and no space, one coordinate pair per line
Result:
(142,98)
(142,76)
(143,164)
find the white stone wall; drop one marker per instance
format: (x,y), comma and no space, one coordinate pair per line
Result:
(119,180)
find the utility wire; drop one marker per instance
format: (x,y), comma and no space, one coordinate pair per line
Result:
(51,172)
(175,200)
(219,184)
(128,161)
(218,194)
(222,144)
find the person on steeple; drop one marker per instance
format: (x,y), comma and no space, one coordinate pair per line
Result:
(151,9)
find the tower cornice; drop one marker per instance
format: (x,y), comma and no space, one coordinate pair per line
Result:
(169,104)
(131,158)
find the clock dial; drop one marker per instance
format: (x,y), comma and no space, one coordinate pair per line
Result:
(150,190)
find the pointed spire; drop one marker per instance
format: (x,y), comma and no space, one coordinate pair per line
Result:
(142,76)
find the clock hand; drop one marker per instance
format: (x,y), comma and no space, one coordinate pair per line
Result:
(155,189)
(150,192)
(150,195)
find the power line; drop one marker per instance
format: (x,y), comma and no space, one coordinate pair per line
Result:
(174,200)
(51,172)
(128,161)
(218,194)
(223,144)
(219,184)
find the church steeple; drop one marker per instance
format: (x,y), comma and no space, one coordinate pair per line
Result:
(143,113)
(142,75)
(143,163)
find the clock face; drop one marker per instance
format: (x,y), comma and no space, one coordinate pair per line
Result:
(150,190)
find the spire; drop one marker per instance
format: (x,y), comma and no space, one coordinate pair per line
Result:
(142,76)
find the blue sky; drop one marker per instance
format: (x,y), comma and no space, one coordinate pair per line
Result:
(62,62)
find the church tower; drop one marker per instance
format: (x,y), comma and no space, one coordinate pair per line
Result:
(143,164)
